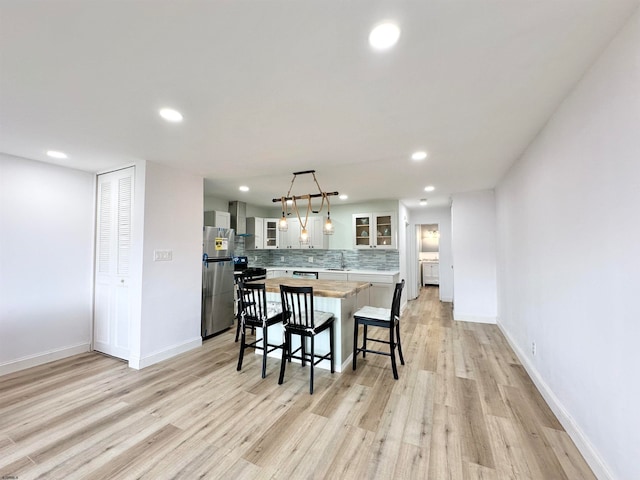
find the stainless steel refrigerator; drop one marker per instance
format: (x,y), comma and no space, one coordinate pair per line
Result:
(217,280)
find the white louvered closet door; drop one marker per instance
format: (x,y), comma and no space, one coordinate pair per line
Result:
(113,254)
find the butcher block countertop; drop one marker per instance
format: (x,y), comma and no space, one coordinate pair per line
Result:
(321,288)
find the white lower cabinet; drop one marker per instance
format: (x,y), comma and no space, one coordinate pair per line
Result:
(342,276)
(279,272)
(430,273)
(381,291)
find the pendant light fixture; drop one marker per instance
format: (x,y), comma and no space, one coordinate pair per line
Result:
(292,201)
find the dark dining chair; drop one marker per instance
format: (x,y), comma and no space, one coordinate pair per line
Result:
(388,318)
(300,318)
(256,312)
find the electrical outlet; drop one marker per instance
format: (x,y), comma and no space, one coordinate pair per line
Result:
(282,259)
(310,259)
(533,348)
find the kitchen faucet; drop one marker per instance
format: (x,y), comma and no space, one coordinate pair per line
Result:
(342,264)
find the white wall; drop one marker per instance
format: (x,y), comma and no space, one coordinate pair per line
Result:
(569,259)
(442,217)
(214,203)
(473,241)
(169,320)
(46,262)
(403,231)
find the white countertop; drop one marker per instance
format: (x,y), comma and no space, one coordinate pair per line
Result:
(327,270)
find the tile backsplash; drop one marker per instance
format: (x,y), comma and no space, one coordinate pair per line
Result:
(353,259)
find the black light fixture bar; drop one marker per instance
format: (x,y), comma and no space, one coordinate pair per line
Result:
(310,195)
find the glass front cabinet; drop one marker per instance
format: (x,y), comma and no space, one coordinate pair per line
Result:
(375,230)
(271,240)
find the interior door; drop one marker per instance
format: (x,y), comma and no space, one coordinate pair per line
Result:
(112,309)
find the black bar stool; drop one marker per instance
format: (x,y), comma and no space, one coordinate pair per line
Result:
(257,312)
(299,318)
(383,318)
(244,277)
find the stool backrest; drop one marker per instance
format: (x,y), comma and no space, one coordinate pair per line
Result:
(395,304)
(298,303)
(253,300)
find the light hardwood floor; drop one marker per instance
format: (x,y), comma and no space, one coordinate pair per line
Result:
(463,408)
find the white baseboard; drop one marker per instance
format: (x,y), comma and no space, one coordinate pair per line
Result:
(588,451)
(42,358)
(346,363)
(141,362)
(446,299)
(473,318)
(324,364)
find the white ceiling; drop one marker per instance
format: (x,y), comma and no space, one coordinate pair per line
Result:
(272,87)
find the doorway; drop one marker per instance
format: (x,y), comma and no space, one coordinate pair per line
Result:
(428,254)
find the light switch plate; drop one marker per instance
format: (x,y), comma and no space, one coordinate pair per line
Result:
(162,255)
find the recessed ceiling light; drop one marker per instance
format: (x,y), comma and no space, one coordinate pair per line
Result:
(419,155)
(243,188)
(171,115)
(54,154)
(423,201)
(384,36)
(430,188)
(343,197)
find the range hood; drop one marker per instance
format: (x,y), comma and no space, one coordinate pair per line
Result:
(238,211)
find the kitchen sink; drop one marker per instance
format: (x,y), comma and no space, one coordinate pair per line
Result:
(338,269)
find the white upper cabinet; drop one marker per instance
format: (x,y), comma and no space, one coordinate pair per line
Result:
(271,234)
(256,231)
(375,230)
(291,237)
(217,219)
(317,239)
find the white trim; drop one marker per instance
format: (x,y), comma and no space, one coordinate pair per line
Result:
(140,363)
(42,358)
(446,299)
(588,451)
(474,318)
(346,363)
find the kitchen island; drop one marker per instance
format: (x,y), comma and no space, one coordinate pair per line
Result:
(342,298)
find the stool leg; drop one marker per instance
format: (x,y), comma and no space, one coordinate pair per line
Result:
(313,338)
(364,342)
(264,351)
(392,346)
(242,345)
(399,343)
(283,360)
(238,322)
(355,342)
(331,338)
